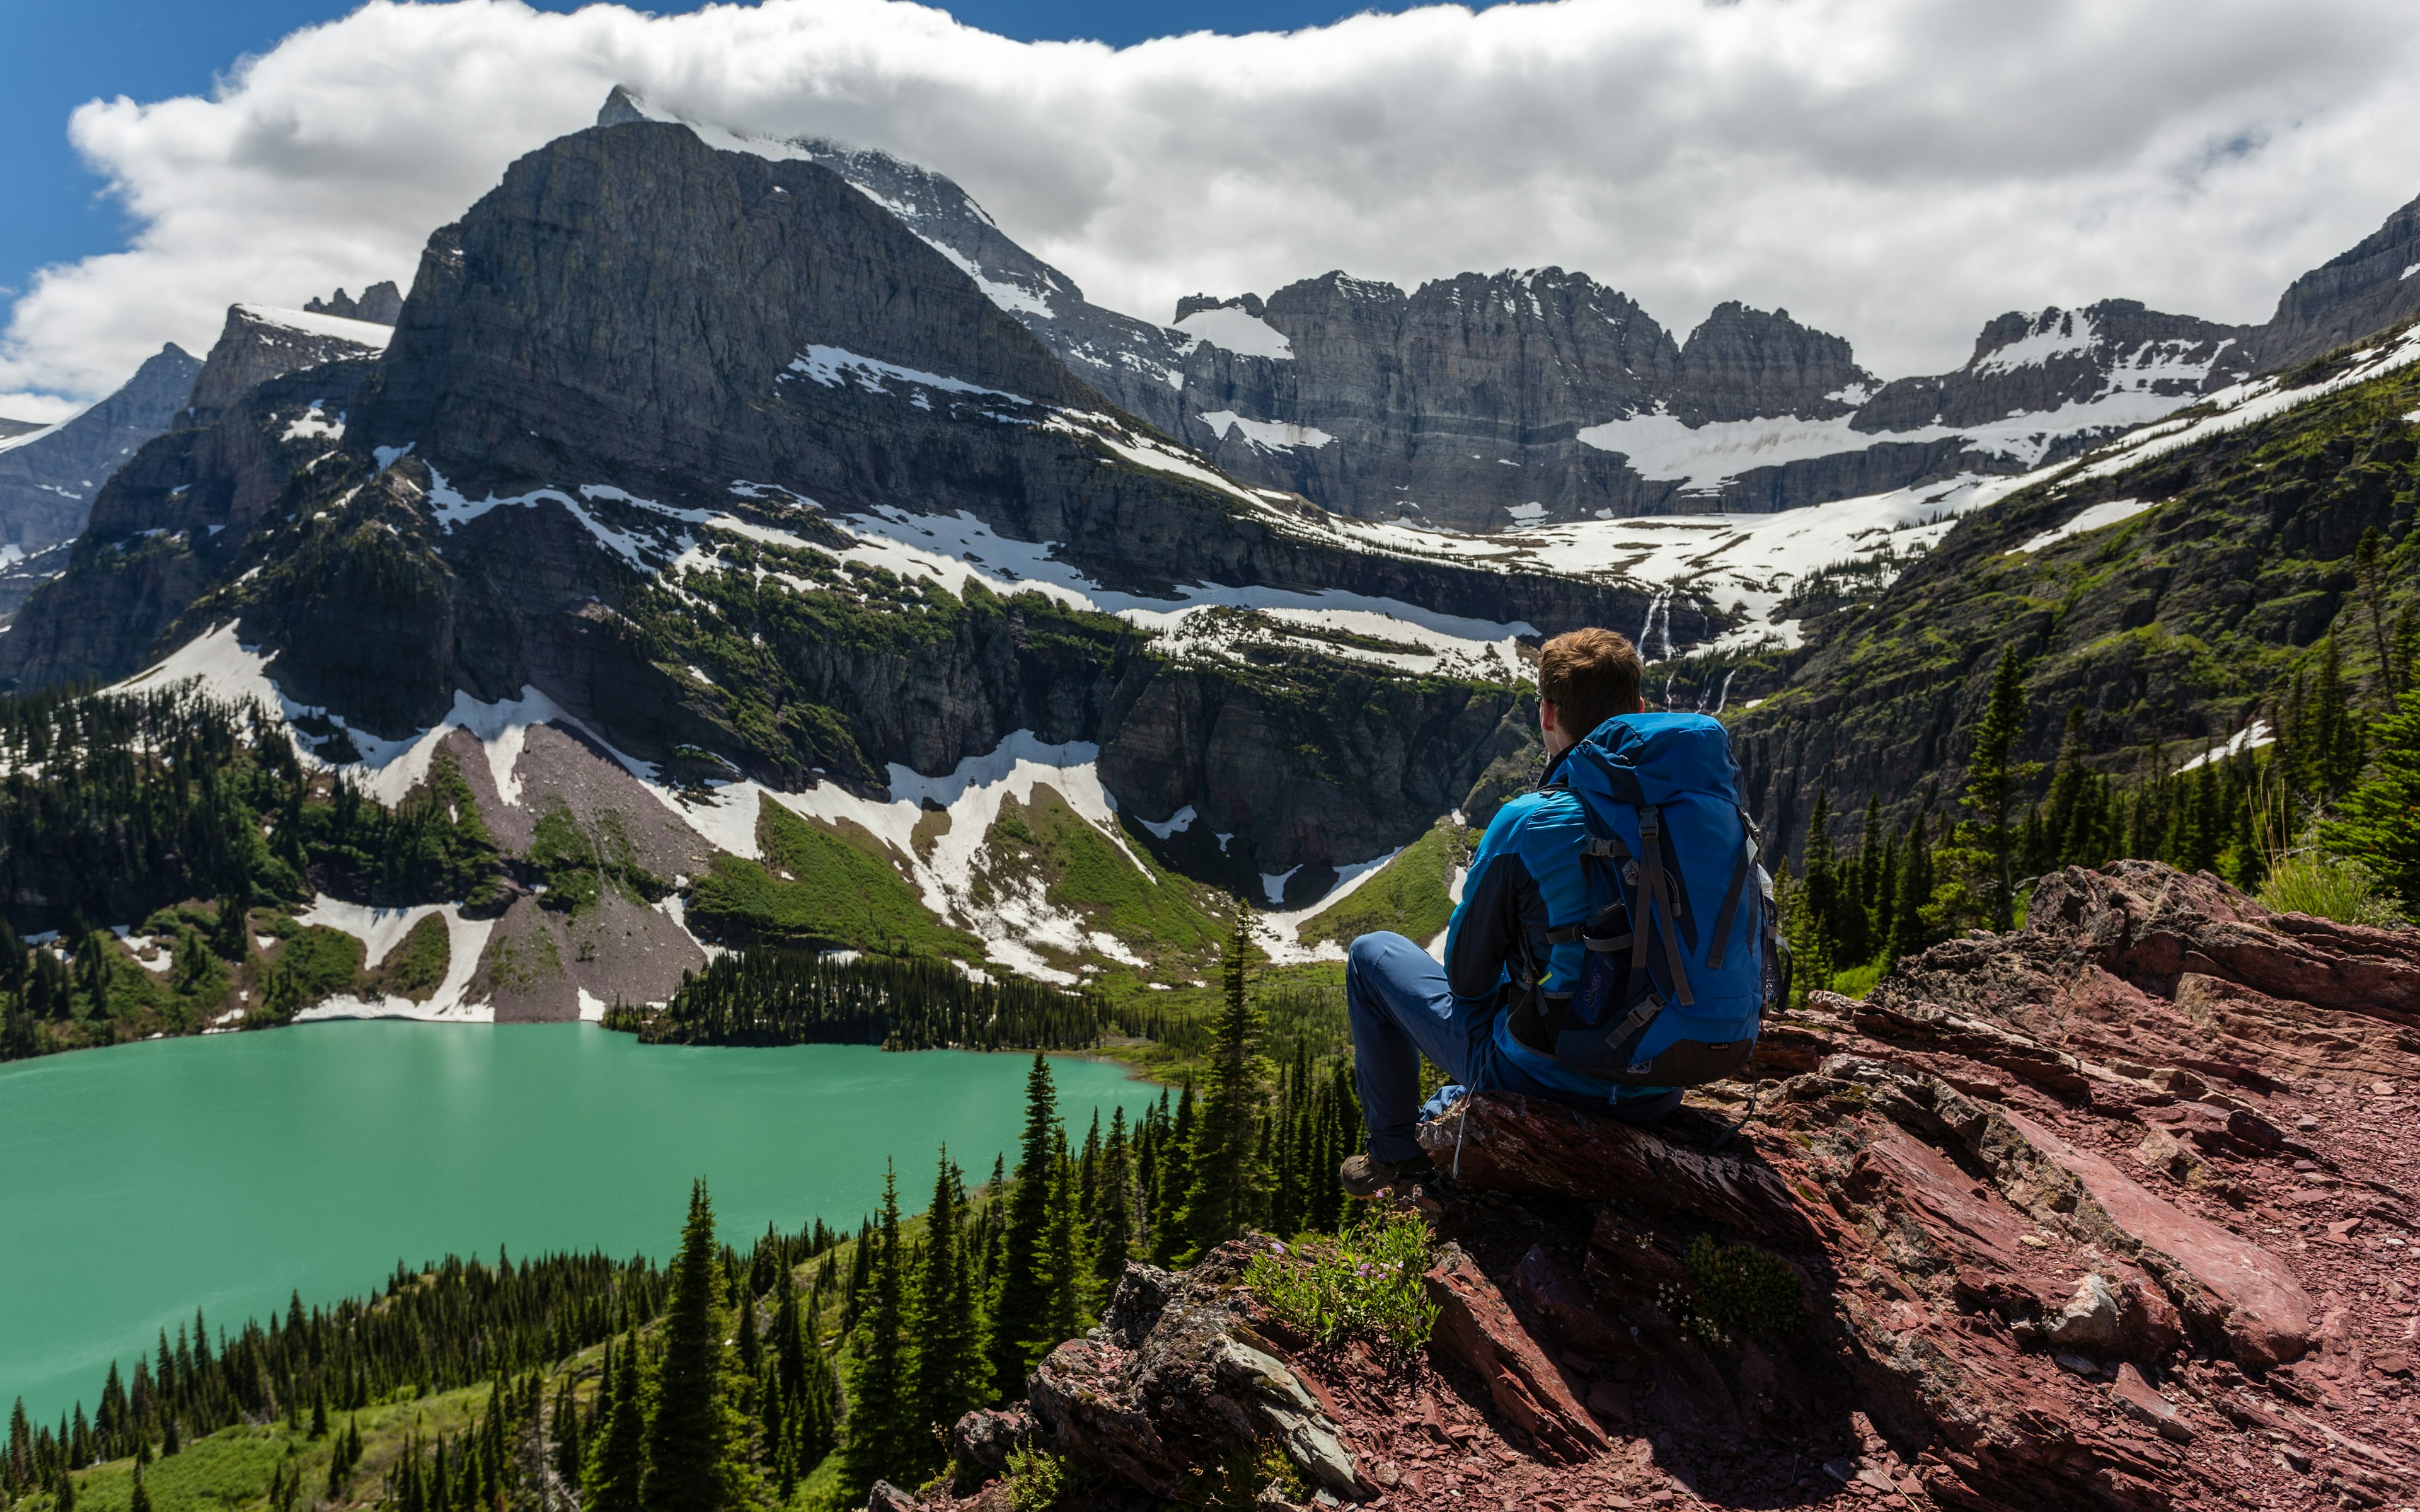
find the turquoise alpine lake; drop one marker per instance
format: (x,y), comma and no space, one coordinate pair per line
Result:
(226,1172)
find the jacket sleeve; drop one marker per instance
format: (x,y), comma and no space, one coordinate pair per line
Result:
(1486,931)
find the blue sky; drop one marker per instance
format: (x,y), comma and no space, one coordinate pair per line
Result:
(62,53)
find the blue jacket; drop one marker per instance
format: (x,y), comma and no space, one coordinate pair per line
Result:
(1527,878)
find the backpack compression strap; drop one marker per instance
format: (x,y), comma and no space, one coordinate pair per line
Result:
(1656,895)
(1731,895)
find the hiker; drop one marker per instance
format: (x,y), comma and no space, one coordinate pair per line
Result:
(1546,989)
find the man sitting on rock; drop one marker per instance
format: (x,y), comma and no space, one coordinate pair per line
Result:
(1528,872)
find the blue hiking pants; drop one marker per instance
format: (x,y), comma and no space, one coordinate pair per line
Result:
(1401,1009)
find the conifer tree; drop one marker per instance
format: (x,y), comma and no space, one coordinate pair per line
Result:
(693,1440)
(2368,565)
(1113,1210)
(1018,1318)
(1992,782)
(617,1462)
(881,1430)
(142,1498)
(952,1375)
(1908,932)
(1169,1234)
(2379,822)
(1063,1260)
(1228,1179)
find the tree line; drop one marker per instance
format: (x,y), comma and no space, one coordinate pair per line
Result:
(772,995)
(2336,783)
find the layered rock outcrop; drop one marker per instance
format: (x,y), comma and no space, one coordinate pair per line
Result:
(2113,1211)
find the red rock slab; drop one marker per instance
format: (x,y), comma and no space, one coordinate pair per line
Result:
(1476,1328)
(1983,1234)
(2265,1313)
(1502,1142)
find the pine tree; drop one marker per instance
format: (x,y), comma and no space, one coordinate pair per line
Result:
(1064,1261)
(1113,1210)
(2379,822)
(142,1499)
(881,1430)
(618,1456)
(1992,782)
(1019,1319)
(2368,565)
(693,1441)
(952,1376)
(1908,933)
(1228,1180)
(1168,1231)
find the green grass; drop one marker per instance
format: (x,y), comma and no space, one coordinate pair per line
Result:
(1407,895)
(1365,1283)
(231,1469)
(1857,981)
(2327,886)
(829,887)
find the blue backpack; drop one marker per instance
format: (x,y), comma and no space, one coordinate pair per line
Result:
(1683,942)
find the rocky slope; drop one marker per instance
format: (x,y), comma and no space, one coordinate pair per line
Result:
(2114,1211)
(50,475)
(2166,587)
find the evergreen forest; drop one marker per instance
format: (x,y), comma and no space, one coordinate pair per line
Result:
(790,1373)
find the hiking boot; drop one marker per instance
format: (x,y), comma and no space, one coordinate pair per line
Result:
(1366,1176)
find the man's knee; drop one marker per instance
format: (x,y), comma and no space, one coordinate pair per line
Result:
(1369,952)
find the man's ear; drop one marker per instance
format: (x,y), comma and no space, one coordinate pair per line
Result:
(1547,715)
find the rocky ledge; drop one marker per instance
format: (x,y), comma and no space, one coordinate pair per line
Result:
(2115,1210)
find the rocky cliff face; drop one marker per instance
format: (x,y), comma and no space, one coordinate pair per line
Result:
(2111,1212)
(2367,288)
(50,475)
(1492,400)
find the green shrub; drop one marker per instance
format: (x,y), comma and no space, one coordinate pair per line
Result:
(2327,886)
(1364,1283)
(1738,1286)
(1857,981)
(1037,1479)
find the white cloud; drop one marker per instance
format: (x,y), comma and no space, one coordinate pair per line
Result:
(1897,171)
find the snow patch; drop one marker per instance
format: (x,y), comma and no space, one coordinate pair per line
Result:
(466,941)
(1273,884)
(360,332)
(2250,737)
(2092,518)
(1232,327)
(1266,435)
(835,367)
(1175,824)
(315,423)
(2071,334)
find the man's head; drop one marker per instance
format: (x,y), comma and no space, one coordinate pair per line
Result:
(1585,677)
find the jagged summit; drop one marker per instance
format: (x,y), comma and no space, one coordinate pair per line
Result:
(50,475)
(379,304)
(1488,401)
